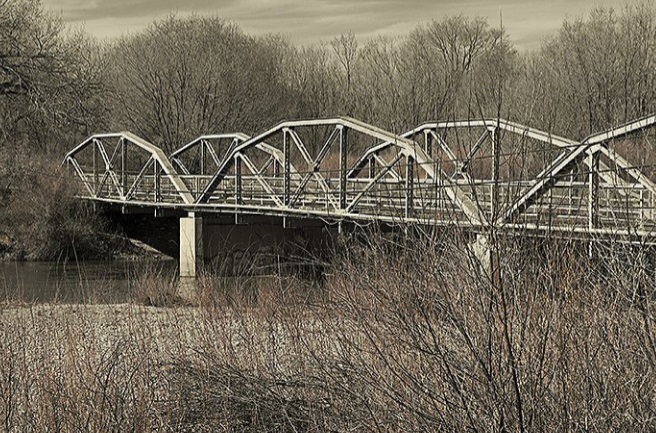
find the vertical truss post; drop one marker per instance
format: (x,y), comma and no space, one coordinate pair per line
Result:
(438,191)
(238,180)
(276,168)
(593,190)
(496,156)
(238,187)
(124,176)
(409,185)
(288,178)
(343,168)
(428,142)
(372,167)
(95,167)
(157,190)
(202,157)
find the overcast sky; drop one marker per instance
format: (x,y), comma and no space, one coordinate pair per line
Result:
(308,21)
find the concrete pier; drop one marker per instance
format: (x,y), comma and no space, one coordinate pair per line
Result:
(191,245)
(482,254)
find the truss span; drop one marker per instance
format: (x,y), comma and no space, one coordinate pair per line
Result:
(125,168)
(475,173)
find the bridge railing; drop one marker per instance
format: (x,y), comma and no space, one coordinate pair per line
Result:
(151,189)
(564,204)
(618,207)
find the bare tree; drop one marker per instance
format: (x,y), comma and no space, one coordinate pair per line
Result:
(187,76)
(49,80)
(596,72)
(346,50)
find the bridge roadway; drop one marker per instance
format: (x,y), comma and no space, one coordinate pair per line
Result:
(475,173)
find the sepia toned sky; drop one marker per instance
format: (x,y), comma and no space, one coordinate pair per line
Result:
(308,21)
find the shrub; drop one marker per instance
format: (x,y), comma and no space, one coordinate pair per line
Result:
(42,216)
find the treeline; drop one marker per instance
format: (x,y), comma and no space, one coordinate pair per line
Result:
(182,77)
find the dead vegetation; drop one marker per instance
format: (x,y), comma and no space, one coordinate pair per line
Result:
(396,340)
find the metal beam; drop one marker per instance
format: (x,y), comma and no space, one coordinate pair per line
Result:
(593,191)
(409,186)
(343,168)
(625,165)
(139,178)
(249,164)
(547,177)
(374,181)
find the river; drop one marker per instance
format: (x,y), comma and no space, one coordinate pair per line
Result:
(97,282)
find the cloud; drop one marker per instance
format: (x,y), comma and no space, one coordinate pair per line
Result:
(308,21)
(80,10)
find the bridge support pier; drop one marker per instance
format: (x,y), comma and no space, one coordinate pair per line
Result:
(482,253)
(191,245)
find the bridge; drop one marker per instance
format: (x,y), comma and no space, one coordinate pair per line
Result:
(477,174)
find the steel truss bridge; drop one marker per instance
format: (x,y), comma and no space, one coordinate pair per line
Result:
(474,173)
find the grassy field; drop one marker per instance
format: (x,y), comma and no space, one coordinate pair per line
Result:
(397,338)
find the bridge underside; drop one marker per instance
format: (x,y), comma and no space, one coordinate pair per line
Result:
(477,174)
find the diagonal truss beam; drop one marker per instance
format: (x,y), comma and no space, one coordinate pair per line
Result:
(374,151)
(237,139)
(251,166)
(109,169)
(140,177)
(547,178)
(373,183)
(82,176)
(479,143)
(636,174)
(381,161)
(313,166)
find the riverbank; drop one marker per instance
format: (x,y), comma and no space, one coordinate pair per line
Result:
(108,247)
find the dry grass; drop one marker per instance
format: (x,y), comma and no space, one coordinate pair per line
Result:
(395,341)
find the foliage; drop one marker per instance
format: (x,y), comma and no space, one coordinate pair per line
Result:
(402,342)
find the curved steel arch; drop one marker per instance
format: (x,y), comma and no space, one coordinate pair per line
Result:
(119,180)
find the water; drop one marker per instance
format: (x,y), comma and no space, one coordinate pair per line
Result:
(98,282)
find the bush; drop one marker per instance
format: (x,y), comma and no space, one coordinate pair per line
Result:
(43,218)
